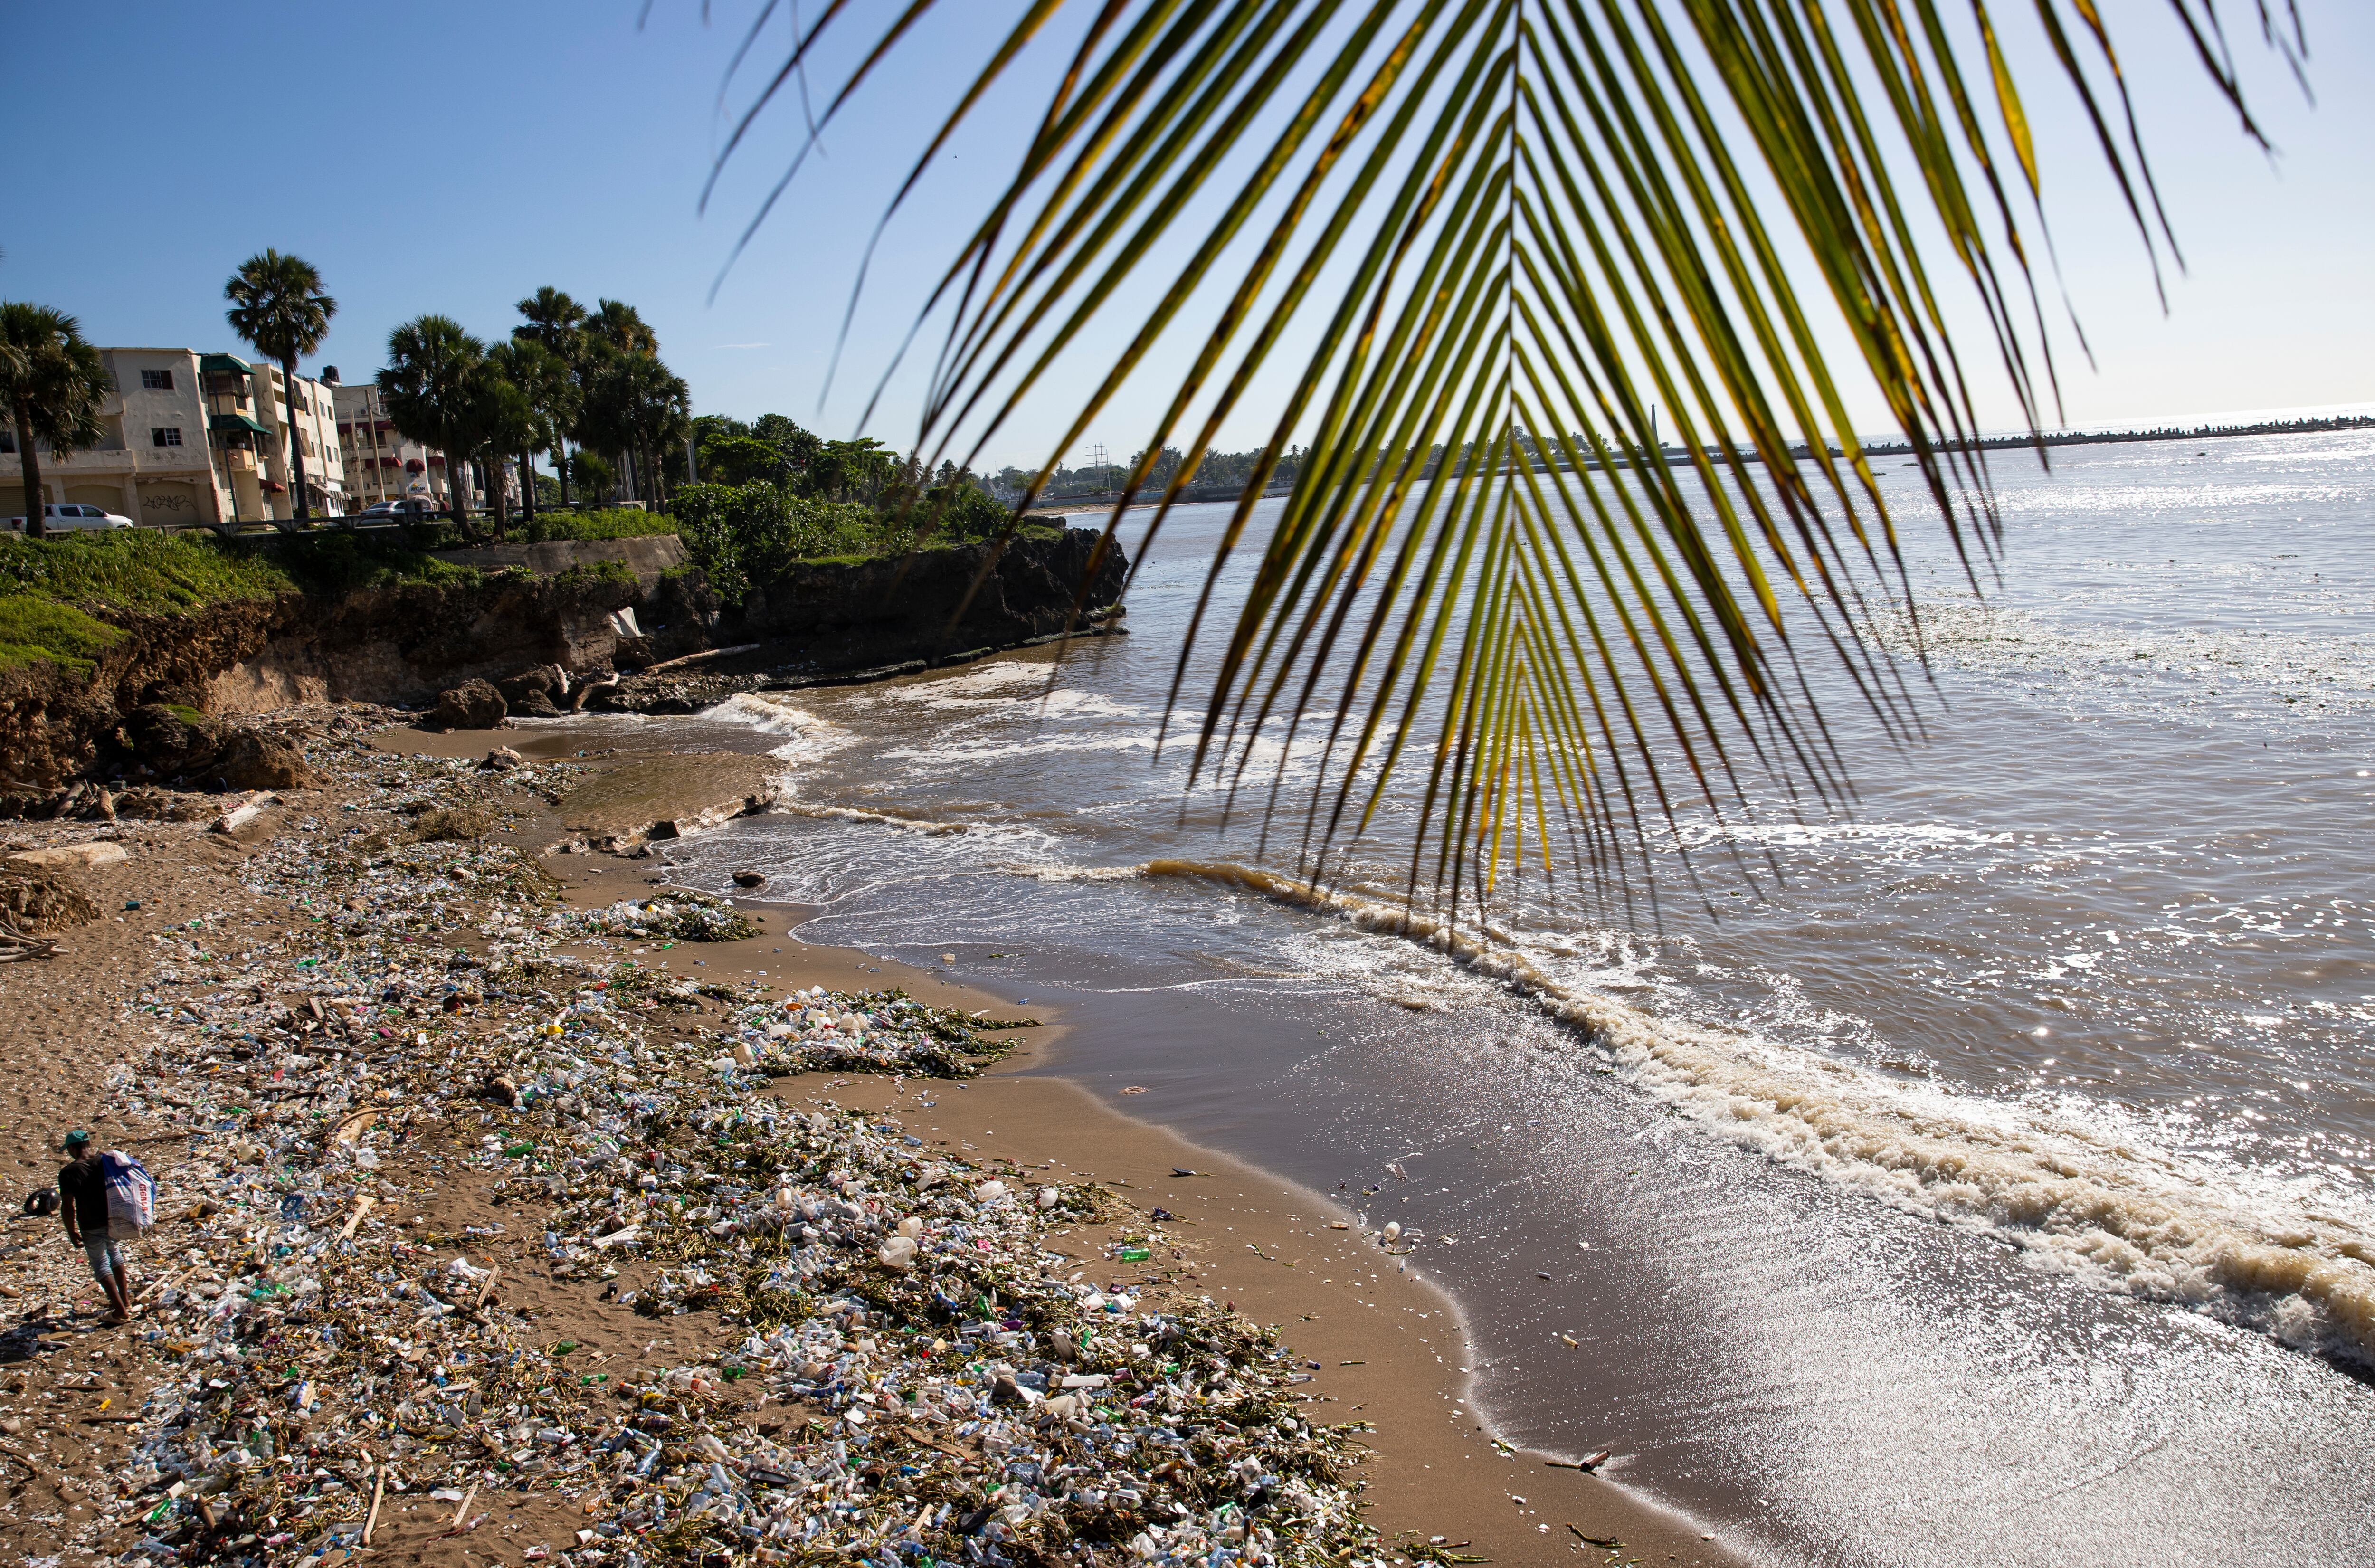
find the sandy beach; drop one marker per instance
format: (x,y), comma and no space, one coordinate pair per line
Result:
(1383,1348)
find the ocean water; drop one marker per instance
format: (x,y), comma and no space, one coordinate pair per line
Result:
(1988,1181)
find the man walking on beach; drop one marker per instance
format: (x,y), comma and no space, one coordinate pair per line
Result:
(82,1204)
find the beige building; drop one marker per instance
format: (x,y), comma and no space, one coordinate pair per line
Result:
(194,440)
(383,464)
(380,463)
(310,418)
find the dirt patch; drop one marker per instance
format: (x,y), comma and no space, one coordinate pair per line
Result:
(39,902)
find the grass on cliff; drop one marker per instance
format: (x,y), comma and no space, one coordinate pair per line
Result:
(143,570)
(56,595)
(137,568)
(34,628)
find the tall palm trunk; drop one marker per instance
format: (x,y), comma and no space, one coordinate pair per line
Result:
(560,460)
(457,477)
(296,451)
(528,489)
(35,528)
(498,494)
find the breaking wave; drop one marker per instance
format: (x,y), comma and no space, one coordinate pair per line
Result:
(809,737)
(924,825)
(2112,1210)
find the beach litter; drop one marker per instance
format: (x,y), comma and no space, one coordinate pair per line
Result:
(898,1369)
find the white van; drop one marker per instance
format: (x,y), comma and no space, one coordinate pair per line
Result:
(71,518)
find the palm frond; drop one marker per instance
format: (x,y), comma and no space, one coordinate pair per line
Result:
(1522,231)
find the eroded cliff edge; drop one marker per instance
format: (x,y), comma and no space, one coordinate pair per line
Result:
(582,637)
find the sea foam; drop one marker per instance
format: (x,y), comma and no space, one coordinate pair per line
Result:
(2114,1211)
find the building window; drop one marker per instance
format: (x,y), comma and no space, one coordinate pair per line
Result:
(157,380)
(165,435)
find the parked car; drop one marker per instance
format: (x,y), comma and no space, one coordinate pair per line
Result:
(410,509)
(71,518)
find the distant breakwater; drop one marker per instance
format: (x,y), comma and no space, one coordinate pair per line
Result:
(2169,433)
(1683,457)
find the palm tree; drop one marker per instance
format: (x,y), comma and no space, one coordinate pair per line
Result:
(277,305)
(635,404)
(558,322)
(52,384)
(663,421)
(430,391)
(1505,237)
(552,395)
(553,319)
(552,402)
(499,423)
(616,324)
(615,333)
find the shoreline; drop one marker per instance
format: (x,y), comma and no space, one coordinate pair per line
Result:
(1430,1466)
(1059,1118)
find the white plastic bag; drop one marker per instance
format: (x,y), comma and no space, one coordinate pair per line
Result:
(131,1195)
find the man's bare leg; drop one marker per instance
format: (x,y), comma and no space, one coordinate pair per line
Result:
(119,1293)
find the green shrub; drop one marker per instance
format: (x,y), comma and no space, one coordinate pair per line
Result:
(621,523)
(33,628)
(959,513)
(752,534)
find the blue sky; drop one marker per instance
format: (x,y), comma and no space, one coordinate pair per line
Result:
(452,158)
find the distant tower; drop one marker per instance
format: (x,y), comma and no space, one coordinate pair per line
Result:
(1098,461)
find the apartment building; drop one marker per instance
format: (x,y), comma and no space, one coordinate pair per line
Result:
(381,464)
(194,440)
(305,417)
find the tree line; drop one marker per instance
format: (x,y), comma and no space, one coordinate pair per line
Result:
(569,381)
(574,382)
(1212,471)
(567,378)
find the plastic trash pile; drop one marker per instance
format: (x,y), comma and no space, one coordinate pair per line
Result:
(912,1373)
(883,1032)
(679,915)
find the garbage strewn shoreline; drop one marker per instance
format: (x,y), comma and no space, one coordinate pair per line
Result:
(432,1107)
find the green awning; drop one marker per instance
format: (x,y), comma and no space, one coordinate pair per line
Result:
(224,365)
(235,422)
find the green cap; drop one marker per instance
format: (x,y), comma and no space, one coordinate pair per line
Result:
(76,1138)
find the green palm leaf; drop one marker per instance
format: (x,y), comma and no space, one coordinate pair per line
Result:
(1523,232)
